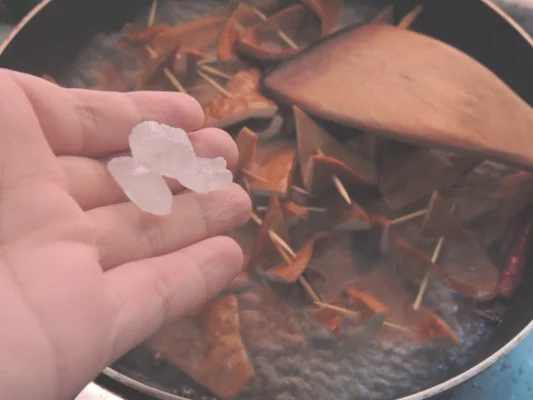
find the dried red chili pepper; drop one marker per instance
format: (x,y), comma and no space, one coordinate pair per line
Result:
(515,262)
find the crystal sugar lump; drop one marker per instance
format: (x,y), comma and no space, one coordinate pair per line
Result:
(145,188)
(161,148)
(158,151)
(206,175)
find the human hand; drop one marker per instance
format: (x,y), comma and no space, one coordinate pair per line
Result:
(84,274)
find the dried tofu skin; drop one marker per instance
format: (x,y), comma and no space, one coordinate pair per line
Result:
(426,325)
(370,305)
(264,41)
(209,348)
(347,217)
(331,318)
(275,162)
(200,34)
(144,35)
(441,220)
(329,12)
(313,139)
(266,251)
(152,76)
(242,18)
(468,265)
(414,264)
(425,172)
(322,170)
(333,266)
(246,102)
(247,145)
(290,273)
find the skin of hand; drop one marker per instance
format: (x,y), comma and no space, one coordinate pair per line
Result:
(84,274)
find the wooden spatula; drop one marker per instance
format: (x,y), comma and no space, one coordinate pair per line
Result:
(410,87)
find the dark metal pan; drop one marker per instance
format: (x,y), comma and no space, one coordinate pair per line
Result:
(51,37)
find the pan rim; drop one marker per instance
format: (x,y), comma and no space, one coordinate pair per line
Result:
(427,393)
(22,23)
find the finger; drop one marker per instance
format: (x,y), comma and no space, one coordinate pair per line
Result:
(149,293)
(89,122)
(125,233)
(27,166)
(92,186)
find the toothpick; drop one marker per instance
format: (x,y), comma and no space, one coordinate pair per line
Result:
(254,176)
(151,53)
(283,254)
(246,184)
(153,11)
(288,41)
(396,327)
(309,290)
(487,316)
(342,190)
(274,236)
(299,190)
(168,74)
(342,310)
(338,184)
(207,60)
(316,209)
(408,217)
(310,209)
(215,84)
(425,281)
(173,80)
(256,219)
(214,71)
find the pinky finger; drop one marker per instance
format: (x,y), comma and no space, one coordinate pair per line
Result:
(148,293)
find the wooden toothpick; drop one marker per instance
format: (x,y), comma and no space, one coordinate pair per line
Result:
(151,52)
(342,310)
(310,209)
(283,36)
(316,209)
(253,176)
(408,217)
(173,80)
(207,60)
(423,286)
(342,190)
(214,71)
(168,74)
(299,190)
(275,237)
(338,184)
(152,15)
(214,83)
(310,292)
(396,327)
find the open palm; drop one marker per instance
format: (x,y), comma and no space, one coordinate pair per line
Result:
(84,274)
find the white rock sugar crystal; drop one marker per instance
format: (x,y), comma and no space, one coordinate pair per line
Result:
(159,150)
(209,174)
(147,189)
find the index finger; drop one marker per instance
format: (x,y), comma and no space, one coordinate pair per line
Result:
(85,122)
